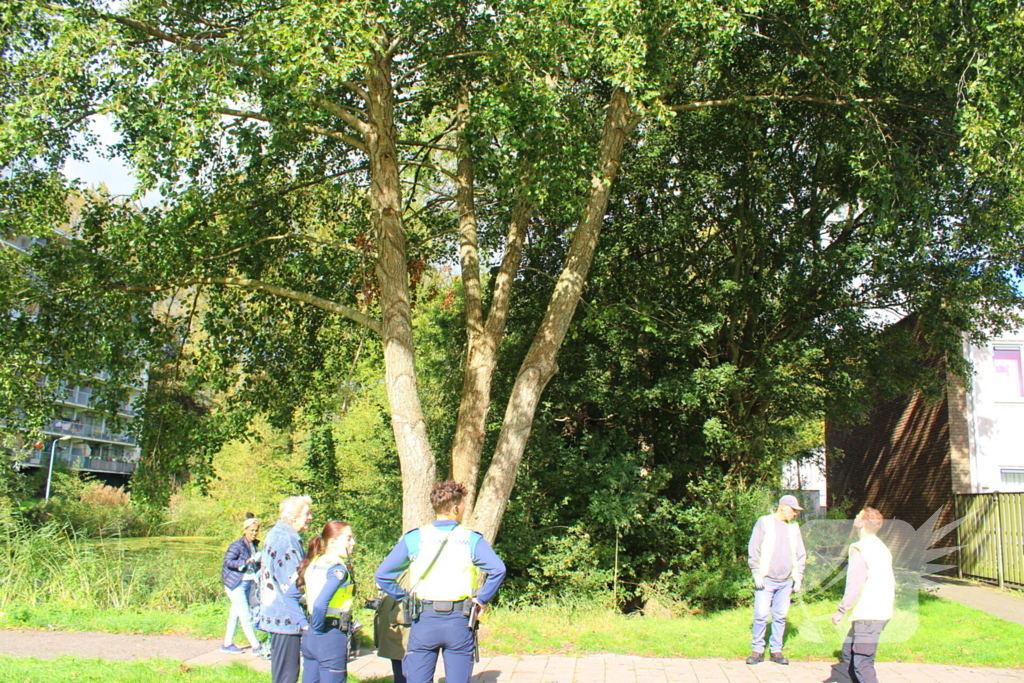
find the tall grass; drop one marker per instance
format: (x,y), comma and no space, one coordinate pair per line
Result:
(51,564)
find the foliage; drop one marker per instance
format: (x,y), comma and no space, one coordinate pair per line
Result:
(793,166)
(100,511)
(565,569)
(52,564)
(251,475)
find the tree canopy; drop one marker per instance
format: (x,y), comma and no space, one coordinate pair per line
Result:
(790,166)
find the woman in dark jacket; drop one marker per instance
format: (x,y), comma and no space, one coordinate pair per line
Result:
(237,574)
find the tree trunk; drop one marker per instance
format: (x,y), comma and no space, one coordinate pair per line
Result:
(482,360)
(539,365)
(414,452)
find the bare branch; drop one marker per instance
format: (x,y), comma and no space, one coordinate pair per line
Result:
(356,89)
(741,99)
(319,130)
(428,145)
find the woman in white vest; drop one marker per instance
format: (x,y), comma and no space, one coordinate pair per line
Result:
(326,575)
(870,592)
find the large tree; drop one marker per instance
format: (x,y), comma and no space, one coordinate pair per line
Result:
(315,158)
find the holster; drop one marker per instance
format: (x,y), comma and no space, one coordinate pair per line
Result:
(342,622)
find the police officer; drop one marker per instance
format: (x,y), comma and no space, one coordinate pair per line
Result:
(330,587)
(443,560)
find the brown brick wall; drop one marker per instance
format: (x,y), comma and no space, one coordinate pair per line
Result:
(899,462)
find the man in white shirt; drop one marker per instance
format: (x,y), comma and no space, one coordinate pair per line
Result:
(776,557)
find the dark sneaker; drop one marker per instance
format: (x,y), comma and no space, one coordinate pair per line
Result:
(231,649)
(256,651)
(777,658)
(755,658)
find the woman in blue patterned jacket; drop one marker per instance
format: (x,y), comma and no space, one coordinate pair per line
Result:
(237,575)
(282,553)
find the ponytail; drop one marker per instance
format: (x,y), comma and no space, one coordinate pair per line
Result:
(317,545)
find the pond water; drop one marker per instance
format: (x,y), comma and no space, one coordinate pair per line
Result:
(205,553)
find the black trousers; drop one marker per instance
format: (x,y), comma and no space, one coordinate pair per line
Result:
(284,657)
(859,650)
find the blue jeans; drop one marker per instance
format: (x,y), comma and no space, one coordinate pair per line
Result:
(239,612)
(433,633)
(773,599)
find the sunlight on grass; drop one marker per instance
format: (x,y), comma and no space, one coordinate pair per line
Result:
(147,671)
(939,632)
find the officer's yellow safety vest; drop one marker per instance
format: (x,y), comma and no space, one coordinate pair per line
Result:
(875,601)
(315,578)
(768,544)
(452,575)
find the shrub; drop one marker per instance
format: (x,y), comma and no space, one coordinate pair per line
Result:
(708,571)
(566,569)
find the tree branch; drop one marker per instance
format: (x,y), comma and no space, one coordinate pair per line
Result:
(199,48)
(258,285)
(319,130)
(814,99)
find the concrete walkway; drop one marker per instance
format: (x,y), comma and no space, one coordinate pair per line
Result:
(1003,603)
(600,668)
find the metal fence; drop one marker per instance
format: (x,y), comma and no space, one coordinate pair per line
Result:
(991,537)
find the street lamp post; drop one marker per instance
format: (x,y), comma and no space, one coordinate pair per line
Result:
(49,472)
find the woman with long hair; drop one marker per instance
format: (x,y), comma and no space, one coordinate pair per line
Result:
(326,575)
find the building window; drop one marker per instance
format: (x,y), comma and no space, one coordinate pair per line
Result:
(1009,378)
(1013,480)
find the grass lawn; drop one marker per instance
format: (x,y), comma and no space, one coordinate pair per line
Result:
(937,632)
(932,631)
(149,671)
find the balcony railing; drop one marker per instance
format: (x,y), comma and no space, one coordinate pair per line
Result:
(87,431)
(83,396)
(79,462)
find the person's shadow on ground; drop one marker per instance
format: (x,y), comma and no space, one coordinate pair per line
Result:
(838,674)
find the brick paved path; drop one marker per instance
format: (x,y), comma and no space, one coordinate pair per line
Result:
(604,668)
(625,669)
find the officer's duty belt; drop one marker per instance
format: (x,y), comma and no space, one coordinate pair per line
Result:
(444,606)
(342,623)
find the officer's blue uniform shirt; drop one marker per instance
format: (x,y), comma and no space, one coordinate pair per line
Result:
(401,556)
(337,577)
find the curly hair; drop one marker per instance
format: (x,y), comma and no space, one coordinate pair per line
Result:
(446,495)
(871,520)
(291,507)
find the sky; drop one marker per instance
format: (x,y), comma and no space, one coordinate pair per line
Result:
(97,169)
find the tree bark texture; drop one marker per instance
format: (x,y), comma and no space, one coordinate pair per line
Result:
(414,452)
(539,366)
(482,360)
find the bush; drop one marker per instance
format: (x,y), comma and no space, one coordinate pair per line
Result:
(712,527)
(566,569)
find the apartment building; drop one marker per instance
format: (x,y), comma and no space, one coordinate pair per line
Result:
(80,435)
